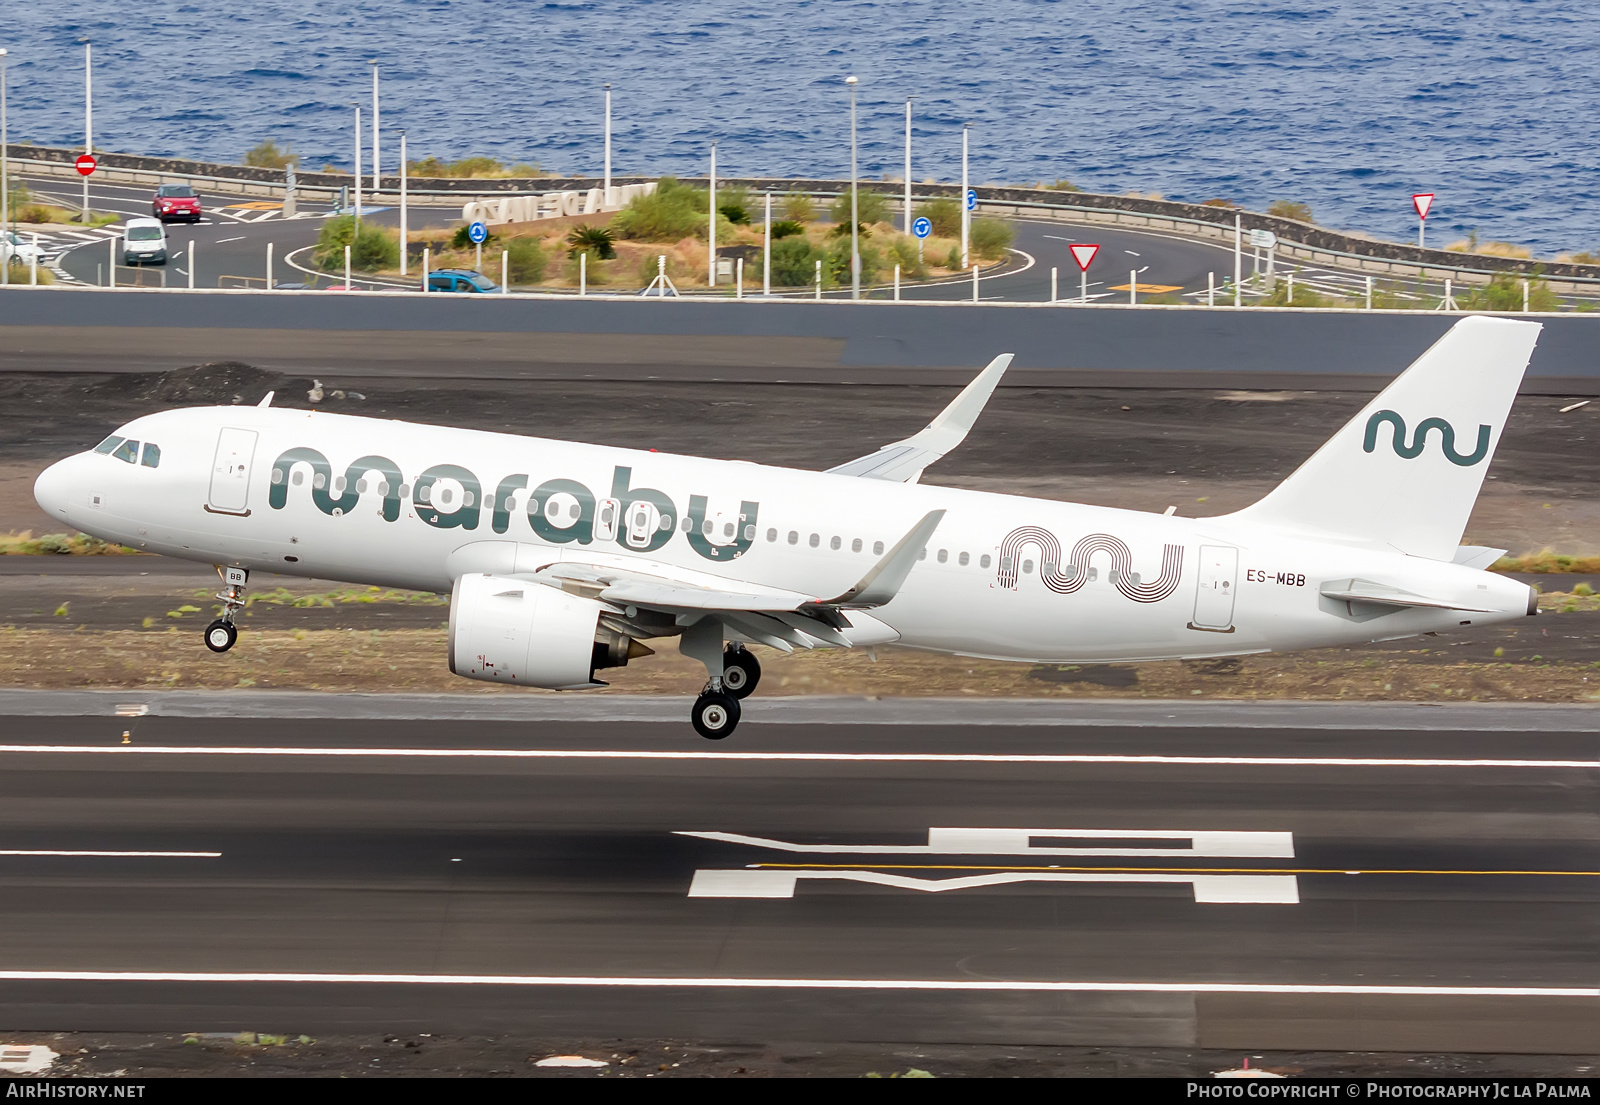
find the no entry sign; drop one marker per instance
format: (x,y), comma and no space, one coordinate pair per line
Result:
(85,164)
(1422,201)
(1084,255)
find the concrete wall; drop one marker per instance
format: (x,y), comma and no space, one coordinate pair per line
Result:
(381,334)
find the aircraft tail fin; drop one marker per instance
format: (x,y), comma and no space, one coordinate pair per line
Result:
(1406,471)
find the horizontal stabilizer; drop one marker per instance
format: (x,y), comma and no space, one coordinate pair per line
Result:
(903,461)
(1477,556)
(1364,590)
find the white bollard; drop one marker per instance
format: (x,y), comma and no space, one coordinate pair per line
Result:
(738,287)
(975,270)
(111,262)
(505,271)
(346,268)
(583,274)
(1369,293)
(269,266)
(1449,303)
(1133,288)
(1291,289)
(1053,295)
(897,283)
(191,264)
(1211,289)
(33,262)
(1526,296)
(819,280)
(426,258)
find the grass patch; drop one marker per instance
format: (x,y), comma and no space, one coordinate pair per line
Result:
(61,544)
(373,247)
(1547,562)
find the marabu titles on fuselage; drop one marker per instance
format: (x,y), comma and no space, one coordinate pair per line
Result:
(1361,544)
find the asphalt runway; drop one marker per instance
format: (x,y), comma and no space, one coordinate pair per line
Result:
(1144,875)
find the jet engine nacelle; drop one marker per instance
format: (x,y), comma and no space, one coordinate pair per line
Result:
(505,630)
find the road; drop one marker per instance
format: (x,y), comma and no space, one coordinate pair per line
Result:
(229,250)
(1325,877)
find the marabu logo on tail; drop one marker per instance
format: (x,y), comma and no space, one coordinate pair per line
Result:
(1079,570)
(1447,438)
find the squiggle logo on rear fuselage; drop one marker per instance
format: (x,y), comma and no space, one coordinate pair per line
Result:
(1447,438)
(1077,570)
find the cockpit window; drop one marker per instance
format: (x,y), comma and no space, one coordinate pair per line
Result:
(128,451)
(108,444)
(152,455)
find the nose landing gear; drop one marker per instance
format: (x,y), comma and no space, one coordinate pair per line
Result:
(222,634)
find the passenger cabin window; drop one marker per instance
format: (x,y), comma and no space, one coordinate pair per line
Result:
(855,546)
(108,444)
(815,540)
(772,535)
(794,537)
(877,548)
(983,561)
(127,451)
(151,457)
(834,544)
(963,559)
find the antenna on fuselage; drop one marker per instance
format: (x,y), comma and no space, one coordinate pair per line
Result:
(266,400)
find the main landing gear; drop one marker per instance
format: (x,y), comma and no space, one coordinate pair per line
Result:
(733,673)
(222,634)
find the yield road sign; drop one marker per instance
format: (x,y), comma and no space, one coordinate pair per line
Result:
(85,164)
(1422,201)
(922,227)
(972,200)
(1084,254)
(478,233)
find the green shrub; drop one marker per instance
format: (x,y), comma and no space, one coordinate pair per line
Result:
(836,265)
(267,155)
(375,247)
(842,230)
(733,201)
(871,207)
(672,212)
(953,261)
(526,261)
(1287,209)
(787,228)
(1062,184)
(1504,293)
(596,272)
(19,197)
(734,213)
(945,215)
(990,238)
(794,262)
(903,252)
(799,207)
(595,240)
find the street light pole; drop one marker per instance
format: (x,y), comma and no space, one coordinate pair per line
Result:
(88,119)
(402,203)
(766,252)
(908,164)
(855,217)
(605,197)
(711,279)
(374,64)
(5,180)
(357,176)
(966,216)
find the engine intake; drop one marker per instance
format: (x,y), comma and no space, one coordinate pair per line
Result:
(505,630)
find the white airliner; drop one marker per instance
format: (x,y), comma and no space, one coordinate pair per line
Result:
(561,558)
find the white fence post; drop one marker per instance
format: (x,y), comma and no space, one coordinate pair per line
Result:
(1369,292)
(269,266)
(1053,295)
(346,268)
(1211,289)
(1290,289)
(583,273)
(976,268)
(897,283)
(1238,259)
(505,271)
(111,261)
(33,262)
(819,280)
(191,264)
(426,258)
(1133,288)
(1526,296)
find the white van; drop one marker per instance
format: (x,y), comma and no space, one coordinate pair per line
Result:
(144,241)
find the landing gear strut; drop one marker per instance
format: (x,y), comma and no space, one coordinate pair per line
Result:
(740,671)
(222,633)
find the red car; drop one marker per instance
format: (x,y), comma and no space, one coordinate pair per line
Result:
(175,201)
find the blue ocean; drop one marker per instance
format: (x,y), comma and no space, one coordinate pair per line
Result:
(1348,107)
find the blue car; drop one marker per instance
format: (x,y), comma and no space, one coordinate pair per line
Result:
(460,280)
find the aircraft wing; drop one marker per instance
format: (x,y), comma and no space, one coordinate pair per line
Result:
(644,598)
(903,461)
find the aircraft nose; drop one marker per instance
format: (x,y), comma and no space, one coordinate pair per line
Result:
(53,489)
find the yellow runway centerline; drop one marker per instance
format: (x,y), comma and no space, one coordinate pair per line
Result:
(1156,870)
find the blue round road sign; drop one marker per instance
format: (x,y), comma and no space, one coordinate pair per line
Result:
(972,200)
(478,233)
(922,227)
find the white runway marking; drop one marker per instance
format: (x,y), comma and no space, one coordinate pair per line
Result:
(1208,889)
(1019,842)
(114,855)
(219,241)
(794,757)
(804,983)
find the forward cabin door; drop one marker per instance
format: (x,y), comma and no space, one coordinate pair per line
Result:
(1219,579)
(230,471)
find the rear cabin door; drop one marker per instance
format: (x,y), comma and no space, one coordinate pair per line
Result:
(1219,573)
(230,471)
